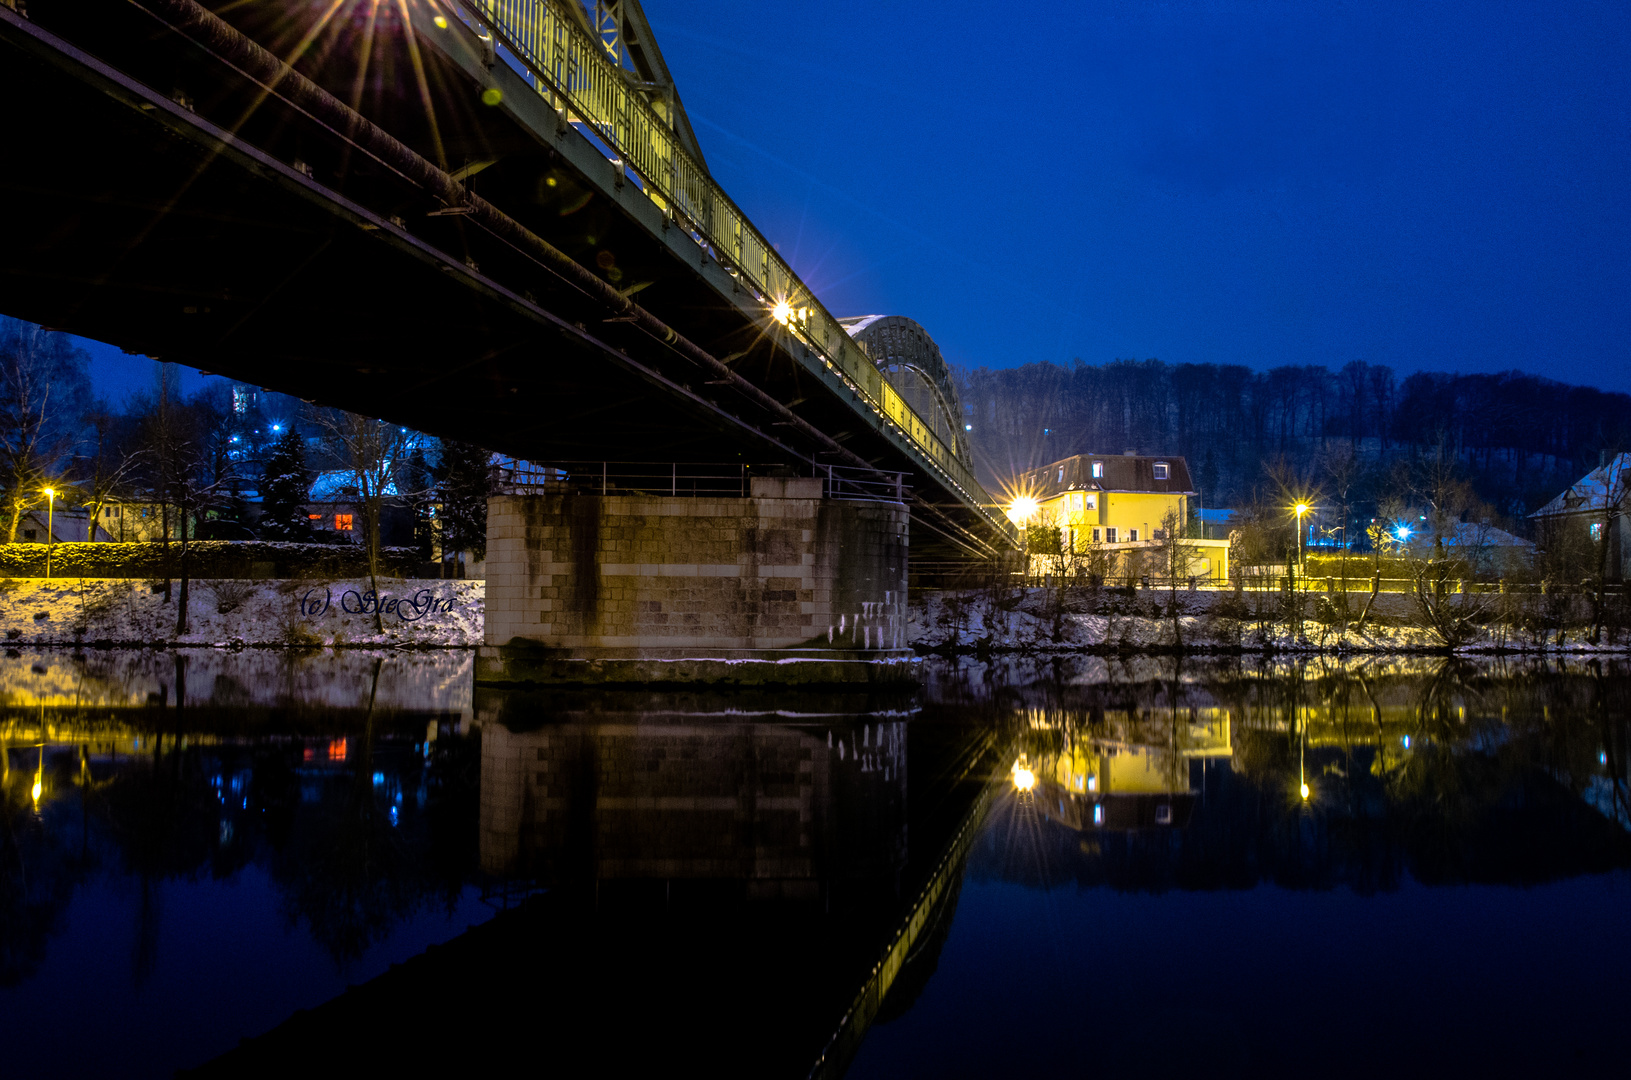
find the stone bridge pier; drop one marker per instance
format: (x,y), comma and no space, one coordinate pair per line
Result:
(783,586)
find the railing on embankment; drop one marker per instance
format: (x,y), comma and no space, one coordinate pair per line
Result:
(575,74)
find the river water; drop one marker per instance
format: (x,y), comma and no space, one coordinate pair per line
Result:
(1071,865)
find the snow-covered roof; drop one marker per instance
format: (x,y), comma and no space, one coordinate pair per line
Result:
(1484,534)
(1590,492)
(339,485)
(854,324)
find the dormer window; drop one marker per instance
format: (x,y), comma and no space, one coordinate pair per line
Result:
(1098,470)
(1160,470)
(1061,474)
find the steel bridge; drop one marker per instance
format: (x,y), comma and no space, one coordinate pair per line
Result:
(487,219)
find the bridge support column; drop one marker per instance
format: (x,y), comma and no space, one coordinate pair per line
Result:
(781,587)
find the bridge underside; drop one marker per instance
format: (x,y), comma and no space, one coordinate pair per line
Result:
(165,202)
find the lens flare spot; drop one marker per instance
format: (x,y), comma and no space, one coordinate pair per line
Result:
(440,21)
(492,96)
(1024,777)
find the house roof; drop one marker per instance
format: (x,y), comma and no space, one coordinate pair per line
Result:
(1484,534)
(340,485)
(1122,472)
(1590,493)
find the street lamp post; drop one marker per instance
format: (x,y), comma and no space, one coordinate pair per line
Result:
(1302,562)
(50,526)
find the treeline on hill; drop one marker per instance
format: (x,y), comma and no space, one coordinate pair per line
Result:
(1515,439)
(228,462)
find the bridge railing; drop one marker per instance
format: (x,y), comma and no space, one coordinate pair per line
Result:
(688,479)
(574,71)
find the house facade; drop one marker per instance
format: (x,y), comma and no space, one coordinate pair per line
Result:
(1115,505)
(1598,506)
(1111,498)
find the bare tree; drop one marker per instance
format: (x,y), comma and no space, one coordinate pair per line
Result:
(1441,580)
(373,454)
(42,376)
(1177,558)
(1616,482)
(105,465)
(1342,468)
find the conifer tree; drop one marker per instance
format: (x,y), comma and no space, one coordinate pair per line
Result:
(285,489)
(466,482)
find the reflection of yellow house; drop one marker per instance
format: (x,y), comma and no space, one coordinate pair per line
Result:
(1106,783)
(1118,503)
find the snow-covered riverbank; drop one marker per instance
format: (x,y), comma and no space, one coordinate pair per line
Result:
(234,612)
(451,614)
(1037,620)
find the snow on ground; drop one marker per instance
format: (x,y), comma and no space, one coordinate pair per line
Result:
(450,614)
(64,611)
(1035,620)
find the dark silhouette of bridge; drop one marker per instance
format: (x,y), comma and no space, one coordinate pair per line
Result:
(490,221)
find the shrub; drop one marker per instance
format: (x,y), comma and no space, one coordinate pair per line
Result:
(230,593)
(205,559)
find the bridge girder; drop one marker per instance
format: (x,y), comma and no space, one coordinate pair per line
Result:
(218,223)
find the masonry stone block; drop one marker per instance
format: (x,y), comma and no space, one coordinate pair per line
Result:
(780,572)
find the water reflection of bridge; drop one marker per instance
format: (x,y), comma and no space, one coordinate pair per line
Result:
(741,880)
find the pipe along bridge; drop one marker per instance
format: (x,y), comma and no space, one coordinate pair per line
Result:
(488,220)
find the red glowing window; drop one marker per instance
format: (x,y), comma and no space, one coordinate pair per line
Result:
(342,522)
(334,750)
(315,517)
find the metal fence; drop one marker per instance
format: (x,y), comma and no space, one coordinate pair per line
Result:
(690,479)
(574,72)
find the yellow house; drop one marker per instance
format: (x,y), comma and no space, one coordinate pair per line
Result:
(1119,502)
(1110,498)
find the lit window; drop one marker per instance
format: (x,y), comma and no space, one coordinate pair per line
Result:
(1098,470)
(1092,502)
(1110,534)
(1061,474)
(314,517)
(1160,470)
(342,522)
(1597,530)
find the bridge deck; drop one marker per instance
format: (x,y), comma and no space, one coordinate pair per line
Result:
(186,204)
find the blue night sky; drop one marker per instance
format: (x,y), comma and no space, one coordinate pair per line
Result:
(1426,185)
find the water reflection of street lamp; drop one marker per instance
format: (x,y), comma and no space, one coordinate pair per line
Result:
(1302,749)
(50,529)
(1024,778)
(39,779)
